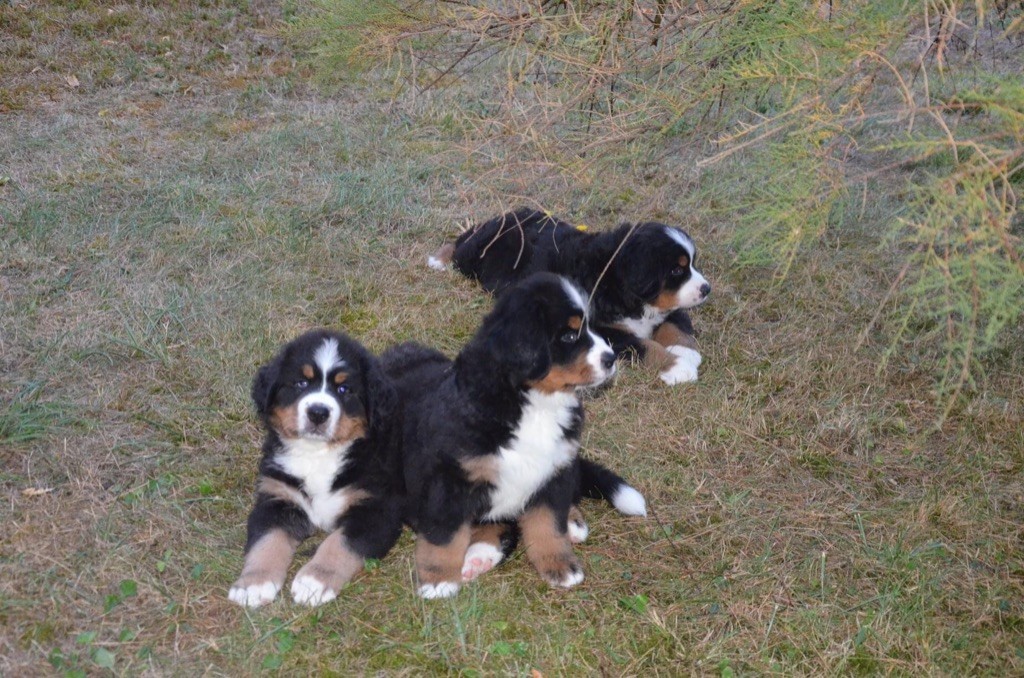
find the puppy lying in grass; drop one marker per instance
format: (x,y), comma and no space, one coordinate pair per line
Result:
(491,439)
(642,278)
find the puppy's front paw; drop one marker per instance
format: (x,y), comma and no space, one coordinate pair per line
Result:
(444,589)
(685,367)
(248,592)
(307,589)
(564,575)
(480,558)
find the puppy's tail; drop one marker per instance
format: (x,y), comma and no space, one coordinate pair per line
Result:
(598,482)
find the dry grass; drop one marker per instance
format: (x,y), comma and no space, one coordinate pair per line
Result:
(168,224)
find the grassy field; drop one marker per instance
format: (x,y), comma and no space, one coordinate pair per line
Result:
(177,199)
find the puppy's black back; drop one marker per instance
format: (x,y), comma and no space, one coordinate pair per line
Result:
(508,248)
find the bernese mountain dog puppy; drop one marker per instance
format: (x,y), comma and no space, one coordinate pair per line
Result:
(330,462)
(491,438)
(641,277)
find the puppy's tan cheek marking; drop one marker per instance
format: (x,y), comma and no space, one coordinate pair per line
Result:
(547,545)
(285,420)
(668,334)
(490,533)
(334,563)
(656,355)
(268,559)
(566,377)
(666,301)
(481,469)
(436,564)
(349,429)
(307,371)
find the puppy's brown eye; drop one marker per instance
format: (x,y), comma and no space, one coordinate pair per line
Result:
(678,272)
(569,338)
(301,383)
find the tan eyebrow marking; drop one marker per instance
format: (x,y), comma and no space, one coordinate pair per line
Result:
(684,260)
(340,377)
(576,322)
(307,371)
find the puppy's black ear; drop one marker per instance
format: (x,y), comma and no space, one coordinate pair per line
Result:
(518,341)
(636,280)
(381,397)
(263,386)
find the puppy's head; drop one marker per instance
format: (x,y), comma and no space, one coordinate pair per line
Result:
(322,387)
(537,335)
(656,264)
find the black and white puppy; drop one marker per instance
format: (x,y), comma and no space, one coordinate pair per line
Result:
(492,437)
(646,271)
(330,463)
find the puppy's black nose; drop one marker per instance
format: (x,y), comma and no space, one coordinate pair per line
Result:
(608,360)
(705,290)
(318,414)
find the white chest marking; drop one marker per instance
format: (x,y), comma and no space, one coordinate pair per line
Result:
(538,450)
(317,464)
(643,326)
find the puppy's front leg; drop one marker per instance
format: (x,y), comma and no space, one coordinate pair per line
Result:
(679,359)
(548,547)
(266,564)
(332,566)
(439,565)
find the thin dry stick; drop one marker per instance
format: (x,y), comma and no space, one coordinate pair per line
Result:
(907,94)
(761,137)
(597,282)
(862,337)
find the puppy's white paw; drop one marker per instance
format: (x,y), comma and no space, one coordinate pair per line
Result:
(480,557)
(578,531)
(570,579)
(445,589)
(253,595)
(308,590)
(629,502)
(685,367)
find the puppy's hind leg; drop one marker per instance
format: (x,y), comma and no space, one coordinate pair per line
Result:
(490,544)
(577,527)
(442,258)
(548,547)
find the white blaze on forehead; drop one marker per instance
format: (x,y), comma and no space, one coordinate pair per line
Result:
(575,294)
(327,357)
(681,239)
